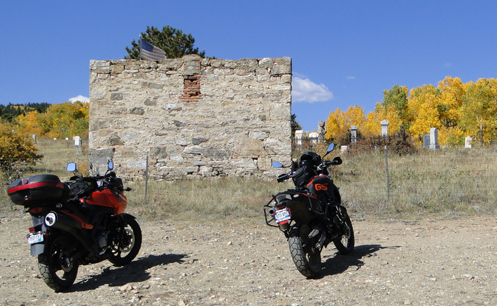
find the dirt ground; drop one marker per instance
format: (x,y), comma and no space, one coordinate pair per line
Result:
(428,262)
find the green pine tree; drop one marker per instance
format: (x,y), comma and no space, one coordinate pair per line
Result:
(174,42)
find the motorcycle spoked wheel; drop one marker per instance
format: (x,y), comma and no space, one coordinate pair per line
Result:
(306,259)
(126,243)
(57,266)
(346,242)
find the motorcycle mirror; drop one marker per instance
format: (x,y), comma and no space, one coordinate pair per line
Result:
(277,165)
(331,147)
(110,165)
(71,167)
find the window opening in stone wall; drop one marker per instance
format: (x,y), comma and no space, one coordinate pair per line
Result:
(191,89)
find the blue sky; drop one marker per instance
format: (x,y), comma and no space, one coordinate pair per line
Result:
(344,53)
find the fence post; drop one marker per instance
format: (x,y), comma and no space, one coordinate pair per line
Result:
(146,177)
(384,134)
(388,175)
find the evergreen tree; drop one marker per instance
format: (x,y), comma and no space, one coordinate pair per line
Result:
(295,125)
(172,41)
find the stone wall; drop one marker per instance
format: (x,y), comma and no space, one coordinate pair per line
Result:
(190,116)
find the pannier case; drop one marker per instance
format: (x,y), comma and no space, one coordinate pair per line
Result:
(37,189)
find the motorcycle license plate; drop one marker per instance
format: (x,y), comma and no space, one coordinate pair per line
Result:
(35,237)
(282,215)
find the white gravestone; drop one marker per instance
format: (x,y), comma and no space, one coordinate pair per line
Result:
(434,139)
(384,128)
(467,142)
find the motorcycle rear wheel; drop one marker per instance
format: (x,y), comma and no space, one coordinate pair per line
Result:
(126,243)
(306,259)
(57,266)
(346,242)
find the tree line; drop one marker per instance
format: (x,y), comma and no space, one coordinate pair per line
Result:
(456,109)
(19,122)
(61,120)
(12,111)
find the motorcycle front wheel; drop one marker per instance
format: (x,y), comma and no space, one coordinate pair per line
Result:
(126,243)
(346,242)
(57,265)
(306,259)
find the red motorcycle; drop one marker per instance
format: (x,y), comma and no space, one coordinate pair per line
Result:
(76,223)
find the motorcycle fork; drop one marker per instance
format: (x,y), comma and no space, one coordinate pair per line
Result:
(120,230)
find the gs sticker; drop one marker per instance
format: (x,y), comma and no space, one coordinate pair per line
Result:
(321,186)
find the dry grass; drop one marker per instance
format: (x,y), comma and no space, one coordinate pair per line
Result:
(445,182)
(56,155)
(201,199)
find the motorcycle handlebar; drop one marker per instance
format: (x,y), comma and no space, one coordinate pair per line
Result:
(324,164)
(283,177)
(336,161)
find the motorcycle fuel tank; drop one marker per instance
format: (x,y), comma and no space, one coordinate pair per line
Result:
(109,198)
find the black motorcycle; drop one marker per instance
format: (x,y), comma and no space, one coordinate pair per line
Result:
(311,215)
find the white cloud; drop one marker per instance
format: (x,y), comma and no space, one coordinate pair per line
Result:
(351,78)
(79,98)
(304,90)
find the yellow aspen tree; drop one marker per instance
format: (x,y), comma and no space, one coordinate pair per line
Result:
(29,123)
(355,117)
(339,122)
(374,119)
(15,149)
(479,108)
(65,120)
(334,124)
(451,94)
(423,110)
(452,91)
(397,96)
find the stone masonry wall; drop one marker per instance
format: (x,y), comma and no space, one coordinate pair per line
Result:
(190,116)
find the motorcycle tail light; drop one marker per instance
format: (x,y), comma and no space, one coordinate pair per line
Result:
(31,229)
(36,210)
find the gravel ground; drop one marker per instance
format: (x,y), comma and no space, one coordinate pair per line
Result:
(428,262)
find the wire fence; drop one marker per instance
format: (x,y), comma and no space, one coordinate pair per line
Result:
(442,180)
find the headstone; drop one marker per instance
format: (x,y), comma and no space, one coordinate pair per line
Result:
(426,141)
(313,137)
(434,139)
(321,131)
(467,142)
(343,149)
(77,143)
(384,128)
(353,134)
(77,140)
(299,134)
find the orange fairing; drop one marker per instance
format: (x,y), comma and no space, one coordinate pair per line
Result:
(109,198)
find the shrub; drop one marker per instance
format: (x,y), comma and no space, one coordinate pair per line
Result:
(16,152)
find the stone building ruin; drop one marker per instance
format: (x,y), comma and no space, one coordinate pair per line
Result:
(190,117)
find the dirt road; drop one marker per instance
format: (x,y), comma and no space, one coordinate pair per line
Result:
(429,262)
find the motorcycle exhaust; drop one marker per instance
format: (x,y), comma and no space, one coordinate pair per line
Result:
(68,224)
(61,221)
